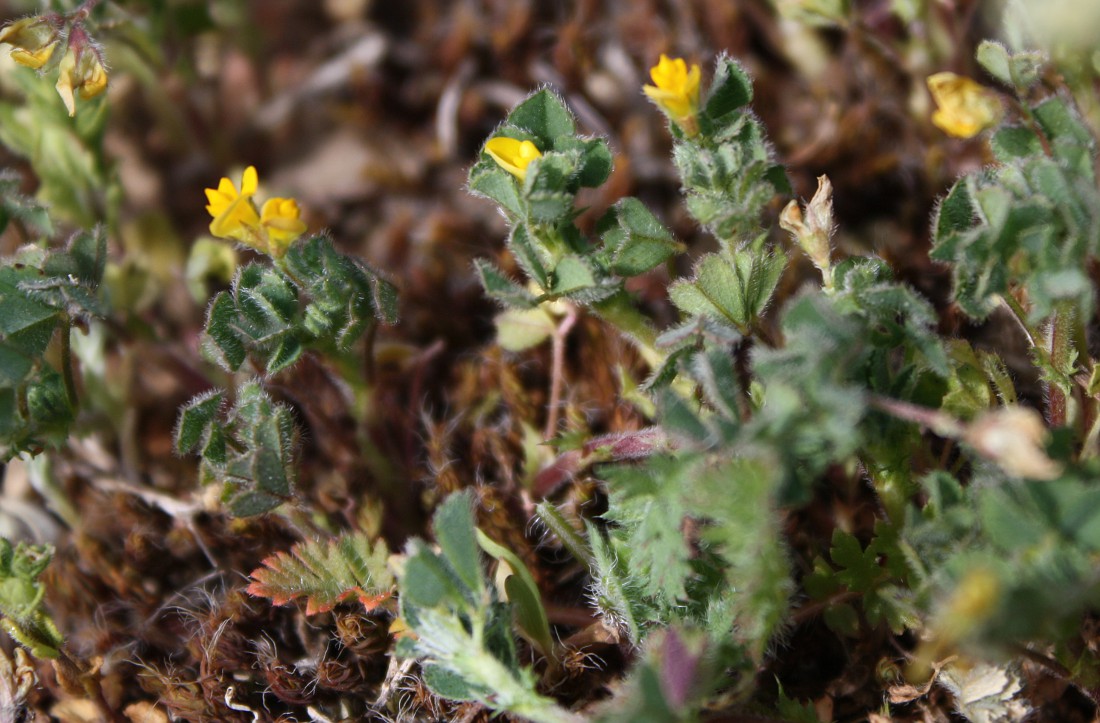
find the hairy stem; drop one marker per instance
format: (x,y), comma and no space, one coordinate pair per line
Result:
(67,363)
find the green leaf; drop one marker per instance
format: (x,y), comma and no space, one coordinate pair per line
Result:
(22,312)
(570,537)
(453,524)
(995,58)
(640,242)
(1072,141)
(549,187)
(955,212)
(596,163)
(462,632)
(794,711)
(1008,524)
(530,255)
(502,289)
(196,419)
(15,365)
(893,605)
(524,594)
(427,580)
(343,295)
(968,391)
(614,593)
(450,685)
(43,292)
(1019,71)
(519,330)
(739,497)
(21,597)
(317,297)
(1013,142)
(15,206)
(572,274)
(859,568)
(85,257)
(734,289)
(730,90)
(250,452)
(492,182)
(253,316)
(544,115)
(842,619)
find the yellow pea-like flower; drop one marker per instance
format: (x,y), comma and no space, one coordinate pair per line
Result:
(81,72)
(271,229)
(512,155)
(233,212)
(964,108)
(33,58)
(281,220)
(675,90)
(33,39)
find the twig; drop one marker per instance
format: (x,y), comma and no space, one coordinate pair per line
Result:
(1058,671)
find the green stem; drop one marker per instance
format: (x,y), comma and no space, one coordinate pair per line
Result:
(1059,344)
(619,310)
(370,370)
(557,370)
(570,538)
(1020,315)
(1032,124)
(942,424)
(67,363)
(280,264)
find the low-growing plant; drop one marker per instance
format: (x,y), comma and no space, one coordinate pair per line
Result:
(822,455)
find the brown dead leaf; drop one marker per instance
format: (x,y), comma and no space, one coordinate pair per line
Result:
(907,693)
(77,711)
(145,712)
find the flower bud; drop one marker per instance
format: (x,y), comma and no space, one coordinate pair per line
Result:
(1013,438)
(813,232)
(81,71)
(34,40)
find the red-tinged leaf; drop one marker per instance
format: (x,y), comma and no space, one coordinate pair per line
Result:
(326,573)
(625,446)
(557,473)
(619,447)
(370,602)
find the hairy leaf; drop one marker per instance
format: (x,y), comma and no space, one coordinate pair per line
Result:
(326,573)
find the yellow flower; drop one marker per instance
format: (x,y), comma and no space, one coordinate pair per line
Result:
(34,40)
(82,71)
(965,108)
(675,90)
(512,155)
(234,214)
(270,230)
(280,220)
